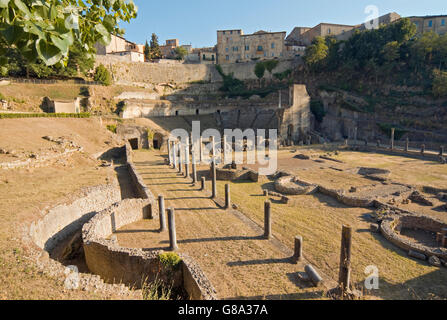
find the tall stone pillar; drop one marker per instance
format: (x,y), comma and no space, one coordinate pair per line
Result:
(407,144)
(345,259)
(172,232)
(194,168)
(180,167)
(267,220)
(187,160)
(298,252)
(392,138)
(169,153)
(174,153)
(200,149)
(161,212)
(227,196)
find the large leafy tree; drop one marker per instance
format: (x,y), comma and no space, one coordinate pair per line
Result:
(316,53)
(46,29)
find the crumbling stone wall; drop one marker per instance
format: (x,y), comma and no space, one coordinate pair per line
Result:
(388,229)
(133,266)
(63,220)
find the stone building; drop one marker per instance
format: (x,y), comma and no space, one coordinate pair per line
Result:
(233,46)
(120,47)
(324,30)
(382,20)
(436,24)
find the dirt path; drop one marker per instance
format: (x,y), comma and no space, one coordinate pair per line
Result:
(238,262)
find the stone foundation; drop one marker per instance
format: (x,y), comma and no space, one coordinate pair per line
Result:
(390,226)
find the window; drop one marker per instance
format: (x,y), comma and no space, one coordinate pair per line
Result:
(247,48)
(235,48)
(329,31)
(247,56)
(273,54)
(273,46)
(265,54)
(224,32)
(226,49)
(443,22)
(430,23)
(260,48)
(231,32)
(227,57)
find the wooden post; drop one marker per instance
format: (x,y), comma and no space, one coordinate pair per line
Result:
(407,144)
(161,212)
(298,253)
(172,233)
(423,149)
(267,220)
(227,196)
(345,259)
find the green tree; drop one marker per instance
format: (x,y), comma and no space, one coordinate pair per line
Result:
(103,75)
(260,70)
(391,52)
(46,30)
(439,88)
(180,53)
(155,47)
(270,65)
(316,53)
(147,51)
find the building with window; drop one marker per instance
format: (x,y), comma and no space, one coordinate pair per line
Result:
(436,24)
(120,47)
(233,46)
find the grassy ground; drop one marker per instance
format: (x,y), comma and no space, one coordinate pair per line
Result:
(237,261)
(319,220)
(24,193)
(28,97)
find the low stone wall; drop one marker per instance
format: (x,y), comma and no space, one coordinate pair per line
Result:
(63,220)
(389,226)
(38,162)
(133,266)
(340,196)
(291,185)
(236,174)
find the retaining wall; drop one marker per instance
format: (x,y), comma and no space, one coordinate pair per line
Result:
(133,266)
(64,220)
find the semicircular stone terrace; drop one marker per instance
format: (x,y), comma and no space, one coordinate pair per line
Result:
(416,233)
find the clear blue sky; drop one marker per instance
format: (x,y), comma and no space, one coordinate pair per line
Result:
(196,21)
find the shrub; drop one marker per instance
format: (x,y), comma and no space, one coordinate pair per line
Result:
(317,109)
(439,88)
(103,75)
(170,260)
(156,290)
(111,128)
(283,75)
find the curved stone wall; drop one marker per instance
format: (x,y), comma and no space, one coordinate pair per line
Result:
(291,185)
(132,266)
(388,229)
(63,220)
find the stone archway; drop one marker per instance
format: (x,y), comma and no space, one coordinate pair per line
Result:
(157,142)
(134,143)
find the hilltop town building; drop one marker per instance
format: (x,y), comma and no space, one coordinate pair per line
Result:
(436,24)
(233,46)
(120,47)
